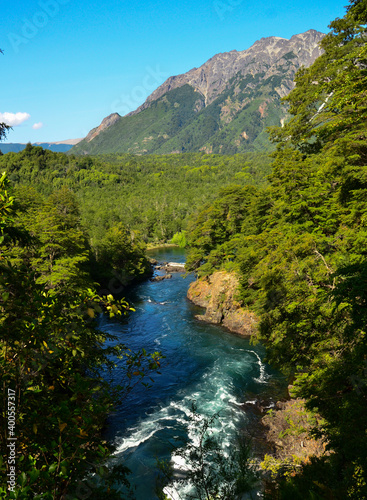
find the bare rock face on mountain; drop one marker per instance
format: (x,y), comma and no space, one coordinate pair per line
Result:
(106,122)
(225,106)
(266,56)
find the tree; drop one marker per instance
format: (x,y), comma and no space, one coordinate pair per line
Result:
(58,254)
(3,130)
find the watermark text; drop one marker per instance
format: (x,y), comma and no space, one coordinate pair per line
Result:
(11,448)
(48,9)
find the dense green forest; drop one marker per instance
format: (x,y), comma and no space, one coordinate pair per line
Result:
(299,248)
(150,195)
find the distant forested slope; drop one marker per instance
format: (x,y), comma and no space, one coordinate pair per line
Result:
(152,195)
(16,147)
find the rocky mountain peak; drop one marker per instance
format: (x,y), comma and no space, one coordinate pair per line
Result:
(211,78)
(224,106)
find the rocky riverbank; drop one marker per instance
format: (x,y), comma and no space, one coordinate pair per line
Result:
(217,293)
(280,429)
(168,268)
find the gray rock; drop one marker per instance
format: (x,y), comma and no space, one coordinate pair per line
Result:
(264,56)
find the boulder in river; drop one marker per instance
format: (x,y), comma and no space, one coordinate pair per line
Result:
(161,278)
(171,267)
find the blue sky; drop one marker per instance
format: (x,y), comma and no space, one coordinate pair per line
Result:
(69,63)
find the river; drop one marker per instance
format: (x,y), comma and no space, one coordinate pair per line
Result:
(204,363)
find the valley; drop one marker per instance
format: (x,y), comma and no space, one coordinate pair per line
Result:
(245,181)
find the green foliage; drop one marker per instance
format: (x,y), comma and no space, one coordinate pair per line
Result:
(3,130)
(278,468)
(179,239)
(60,250)
(217,230)
(6,205)
(151,196)
(122,251)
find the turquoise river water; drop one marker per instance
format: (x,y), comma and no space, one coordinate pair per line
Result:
(204,363)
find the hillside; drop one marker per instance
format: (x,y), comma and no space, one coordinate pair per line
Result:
(222,107)
(56,147)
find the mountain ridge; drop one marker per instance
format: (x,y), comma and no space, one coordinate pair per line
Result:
(167,85)
(224,106)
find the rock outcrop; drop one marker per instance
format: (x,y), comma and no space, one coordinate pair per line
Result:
(168,267)
(161,278)
(105,124)
(171,267)
(217,293)
(288,428)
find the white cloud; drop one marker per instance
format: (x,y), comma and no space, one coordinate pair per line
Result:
(37,126)
(14,119)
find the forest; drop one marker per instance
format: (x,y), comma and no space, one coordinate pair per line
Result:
(151,195)
(292,226)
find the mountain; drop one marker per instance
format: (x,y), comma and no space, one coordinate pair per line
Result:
(222,107)
(56,147)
